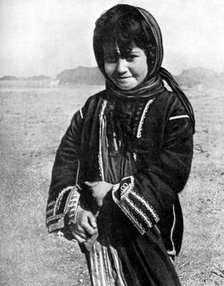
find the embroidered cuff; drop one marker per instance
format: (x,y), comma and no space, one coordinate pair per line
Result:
(72,206)
(136,207)
(67,201)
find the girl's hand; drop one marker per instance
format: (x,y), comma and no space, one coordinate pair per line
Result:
(85,226)
(99,190)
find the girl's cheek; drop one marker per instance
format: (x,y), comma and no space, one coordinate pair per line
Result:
(109,68)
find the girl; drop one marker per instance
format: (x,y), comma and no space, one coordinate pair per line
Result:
(124,158)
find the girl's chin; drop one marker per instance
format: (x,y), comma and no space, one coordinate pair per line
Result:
(125,85)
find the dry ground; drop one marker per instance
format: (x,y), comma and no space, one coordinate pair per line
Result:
(32,122)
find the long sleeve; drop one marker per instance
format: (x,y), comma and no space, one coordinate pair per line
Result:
(148,195)
(64,191)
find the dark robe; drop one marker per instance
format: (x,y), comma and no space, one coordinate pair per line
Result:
(144,147)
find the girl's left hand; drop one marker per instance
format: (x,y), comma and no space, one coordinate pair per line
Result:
(99,190)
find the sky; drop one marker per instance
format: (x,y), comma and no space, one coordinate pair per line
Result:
(48,36)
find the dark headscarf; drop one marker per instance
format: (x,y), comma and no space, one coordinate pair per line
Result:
(153,83)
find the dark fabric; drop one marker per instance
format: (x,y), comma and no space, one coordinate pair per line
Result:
(164,154)
(145,262)
(144,258)
(148,88)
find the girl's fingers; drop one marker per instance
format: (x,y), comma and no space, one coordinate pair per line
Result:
(90,230)
(92,221)
(79,230)
(79,238)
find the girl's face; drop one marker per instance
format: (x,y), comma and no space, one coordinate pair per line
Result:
(126,69)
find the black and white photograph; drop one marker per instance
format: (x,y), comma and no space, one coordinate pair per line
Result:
(111,143)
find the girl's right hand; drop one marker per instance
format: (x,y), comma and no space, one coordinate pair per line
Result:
(85,226)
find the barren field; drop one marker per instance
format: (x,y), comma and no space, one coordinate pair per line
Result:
(32,122)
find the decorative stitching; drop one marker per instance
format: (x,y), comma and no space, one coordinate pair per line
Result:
(59,224)
(132,218)
(139,211)
(77,173)
(171,233)
(81,114)
(125,190)
(60,196)
(51,203)
(50,211)
(108,266)
(101,119)
(178,117)
(73,204)
(128,214)
(118,266)
(54,217)
(147,205)
(139,131)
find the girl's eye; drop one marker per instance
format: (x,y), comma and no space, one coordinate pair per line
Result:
(110,59)
(131,58)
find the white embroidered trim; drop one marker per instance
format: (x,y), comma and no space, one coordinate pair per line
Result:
(139,131)
(134,220)
(51,203)
(129,215)
(59,224)
(81,114)
(72,206)
(118,266)
(156,227)
(50,211)
(77,173)
(140,212)
(106,270)
(126,189)
(146,204)
(173,251)
(54,217)
(178,117)
(100,159)
(71,202)
(60,196)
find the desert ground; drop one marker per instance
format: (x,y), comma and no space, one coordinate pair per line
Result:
(32,122)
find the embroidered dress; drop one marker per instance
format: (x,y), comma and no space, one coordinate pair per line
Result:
(141,141)
(121,256)
(141,220)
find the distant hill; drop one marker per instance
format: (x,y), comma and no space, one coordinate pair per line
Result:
(92,76)
(38,77)
(8,77)
(81,75)
(195,76)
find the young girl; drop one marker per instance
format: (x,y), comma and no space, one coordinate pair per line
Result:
(124,158)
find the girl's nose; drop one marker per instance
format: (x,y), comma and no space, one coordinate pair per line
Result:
(121,65)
